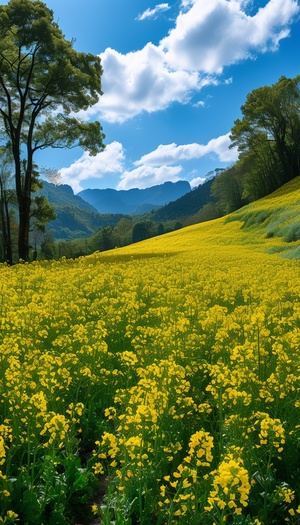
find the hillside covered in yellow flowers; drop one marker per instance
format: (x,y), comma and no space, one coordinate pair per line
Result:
(157,384)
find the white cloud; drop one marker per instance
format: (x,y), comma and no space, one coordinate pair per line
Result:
(156,167)
(211,35)
(187,3)
(172,154)
(108,161)
(196,182)
(208,35)
(147,176)
(140,81)
(199,104)
(151,13)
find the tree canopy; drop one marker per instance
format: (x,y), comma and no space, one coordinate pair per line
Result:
(268,141)
(44,83)
(269,133)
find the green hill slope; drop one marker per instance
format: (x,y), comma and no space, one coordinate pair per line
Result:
(275,219)
(270,224)
(75,217)
(186,206)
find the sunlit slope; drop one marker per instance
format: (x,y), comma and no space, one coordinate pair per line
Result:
(170,368)
(268,225)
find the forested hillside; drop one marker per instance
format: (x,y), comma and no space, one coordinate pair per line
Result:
(74,216)
(186,206)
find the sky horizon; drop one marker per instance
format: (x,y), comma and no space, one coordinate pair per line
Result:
(175,75)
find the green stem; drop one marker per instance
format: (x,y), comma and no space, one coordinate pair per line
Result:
(220,420)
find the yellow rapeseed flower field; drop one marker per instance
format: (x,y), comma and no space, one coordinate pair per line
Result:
(163,376)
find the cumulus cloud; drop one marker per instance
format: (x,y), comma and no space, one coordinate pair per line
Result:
(214,34)
(147,176)
(140,81)
(108,161)
(152,13)
(172,154)
(156,167)
(207,36)
(196,182)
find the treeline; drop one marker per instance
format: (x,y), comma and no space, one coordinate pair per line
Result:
(268,140)
(126,231)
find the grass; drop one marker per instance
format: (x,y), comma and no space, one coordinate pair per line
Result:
(276,215)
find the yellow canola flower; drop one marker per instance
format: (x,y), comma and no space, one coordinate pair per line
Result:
(57,428)
(283,494)
(2,451)
(10,517)
(231,485)
(98,468)
(271,431)
(200,449)
(197,326)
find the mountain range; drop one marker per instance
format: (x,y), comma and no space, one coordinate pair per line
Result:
(74,217)
(87,212)
(185,207)
(134,201)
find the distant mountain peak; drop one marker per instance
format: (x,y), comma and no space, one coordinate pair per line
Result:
(133,200)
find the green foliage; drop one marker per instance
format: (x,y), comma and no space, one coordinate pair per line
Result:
(42,212)
(268,136)
(62,489)
(208,212)
(276,221)
(48,247)
(291,232)
(186,206)
(293,253)
(40,73)
(103,240)
(122,234)
(268,140)
(251,218)
(228,188)
(141,231)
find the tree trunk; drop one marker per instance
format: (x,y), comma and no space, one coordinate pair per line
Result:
(23,238)
(9,256)
(23,190)
(5,221)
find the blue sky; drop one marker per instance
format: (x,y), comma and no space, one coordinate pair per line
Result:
(175,76)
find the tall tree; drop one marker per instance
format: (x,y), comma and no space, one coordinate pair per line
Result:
(228,188)
(270,131)
(7,197)
(44,82)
